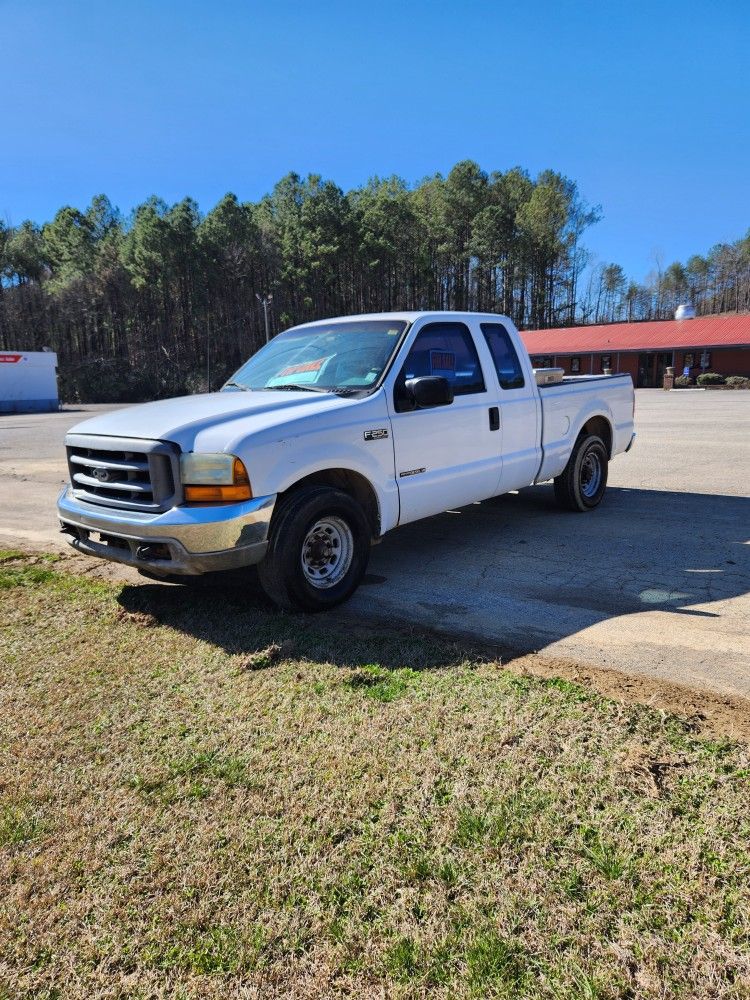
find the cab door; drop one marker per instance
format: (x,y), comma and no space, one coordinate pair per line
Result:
(446,456)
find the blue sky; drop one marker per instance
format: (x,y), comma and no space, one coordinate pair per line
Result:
(645,105)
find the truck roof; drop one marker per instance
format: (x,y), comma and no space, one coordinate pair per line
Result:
(411,316)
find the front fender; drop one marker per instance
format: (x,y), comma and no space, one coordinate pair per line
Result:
(292,459)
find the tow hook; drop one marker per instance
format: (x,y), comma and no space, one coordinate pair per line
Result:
(150,552)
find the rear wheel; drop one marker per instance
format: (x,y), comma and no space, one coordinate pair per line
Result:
(582,483)
(318,550)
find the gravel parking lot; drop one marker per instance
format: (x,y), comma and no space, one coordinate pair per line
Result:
(654,583)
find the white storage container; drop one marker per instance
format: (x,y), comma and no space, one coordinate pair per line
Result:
(28,382)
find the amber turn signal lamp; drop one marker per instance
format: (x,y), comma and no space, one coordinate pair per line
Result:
(216,494)
(239,474)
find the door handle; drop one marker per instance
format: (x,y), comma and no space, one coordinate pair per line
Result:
(494,418)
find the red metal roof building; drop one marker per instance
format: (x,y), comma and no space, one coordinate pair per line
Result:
(708,343)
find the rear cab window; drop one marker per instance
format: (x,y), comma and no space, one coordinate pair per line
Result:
(508,367)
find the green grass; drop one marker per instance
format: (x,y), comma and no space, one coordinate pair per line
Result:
(382,685)
(24,576)
(202,950)
(11,555)
(18,825)
(200,798)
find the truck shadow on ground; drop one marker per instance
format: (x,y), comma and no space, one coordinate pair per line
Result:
(231,612)
(514,573)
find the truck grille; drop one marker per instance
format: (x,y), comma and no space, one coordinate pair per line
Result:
(123,472)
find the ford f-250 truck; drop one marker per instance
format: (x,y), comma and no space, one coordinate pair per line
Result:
(331,435)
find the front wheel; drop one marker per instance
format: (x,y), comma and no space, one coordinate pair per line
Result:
(582,483)
(318,550)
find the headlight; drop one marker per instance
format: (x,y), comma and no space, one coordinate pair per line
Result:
(214,478)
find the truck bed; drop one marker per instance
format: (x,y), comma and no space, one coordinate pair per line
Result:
(563,404)
(578,379)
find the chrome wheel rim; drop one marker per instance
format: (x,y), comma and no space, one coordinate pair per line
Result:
(327,552)
(591,475)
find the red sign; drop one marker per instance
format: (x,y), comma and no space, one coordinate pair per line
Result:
(442,361)
(309,366)
(10,359)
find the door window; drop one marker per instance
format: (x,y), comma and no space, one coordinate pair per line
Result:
(446,349)
(507,365)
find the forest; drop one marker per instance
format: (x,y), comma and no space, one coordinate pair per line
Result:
(168,300)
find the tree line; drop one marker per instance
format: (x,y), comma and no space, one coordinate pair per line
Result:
(718,282)
(167,299)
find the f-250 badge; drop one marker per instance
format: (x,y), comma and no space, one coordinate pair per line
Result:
(377,434)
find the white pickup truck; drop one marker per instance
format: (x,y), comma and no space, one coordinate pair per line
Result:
(331,435)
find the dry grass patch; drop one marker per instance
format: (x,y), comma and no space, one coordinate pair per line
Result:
(200,798)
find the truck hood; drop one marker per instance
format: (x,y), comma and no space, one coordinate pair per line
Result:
(182,419)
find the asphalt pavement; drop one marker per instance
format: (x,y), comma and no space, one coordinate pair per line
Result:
(655,582)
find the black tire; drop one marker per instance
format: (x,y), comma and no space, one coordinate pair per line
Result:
(281,572)
(582,483)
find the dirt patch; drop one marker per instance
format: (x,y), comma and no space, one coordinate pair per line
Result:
(707,713)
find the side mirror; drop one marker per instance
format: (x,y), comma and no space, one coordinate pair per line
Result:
(428,391)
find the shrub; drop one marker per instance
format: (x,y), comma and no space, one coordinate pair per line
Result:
(105,380)
(196,380)
(682,382)
(738,382)
(710,378)
(114,380)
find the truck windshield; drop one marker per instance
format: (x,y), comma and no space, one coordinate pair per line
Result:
(345,357)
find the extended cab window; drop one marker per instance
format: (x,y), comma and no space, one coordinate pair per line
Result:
(507,365)
(446,349)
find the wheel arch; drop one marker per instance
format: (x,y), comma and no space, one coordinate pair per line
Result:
(357,486)
(601,427)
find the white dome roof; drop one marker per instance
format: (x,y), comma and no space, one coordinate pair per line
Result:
(685,312)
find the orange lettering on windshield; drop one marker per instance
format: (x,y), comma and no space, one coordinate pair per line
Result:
(309,366)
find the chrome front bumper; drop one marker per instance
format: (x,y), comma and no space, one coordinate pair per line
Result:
(182,540)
